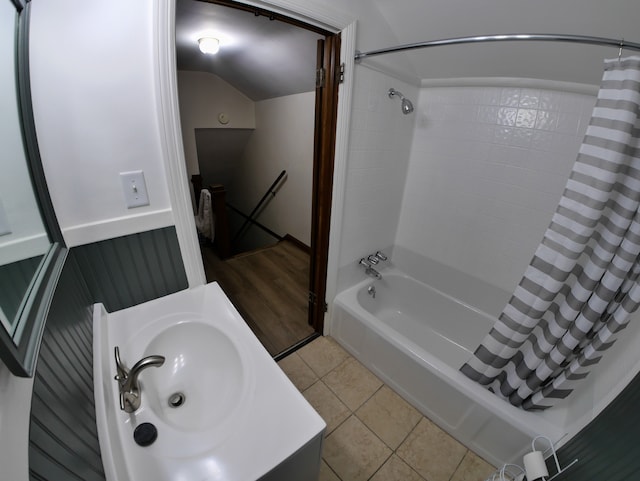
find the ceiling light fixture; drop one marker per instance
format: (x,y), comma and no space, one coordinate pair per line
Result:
(209,45)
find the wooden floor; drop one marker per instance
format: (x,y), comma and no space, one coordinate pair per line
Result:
(269,287)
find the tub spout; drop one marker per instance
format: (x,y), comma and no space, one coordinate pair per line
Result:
(371,272)
(130,395)
(371,290)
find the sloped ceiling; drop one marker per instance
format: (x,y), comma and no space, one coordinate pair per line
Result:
(261,58)
(266,59)
(421,20)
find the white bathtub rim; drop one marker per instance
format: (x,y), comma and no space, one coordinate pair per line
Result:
(527,422)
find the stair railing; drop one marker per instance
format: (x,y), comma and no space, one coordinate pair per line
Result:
(250,218)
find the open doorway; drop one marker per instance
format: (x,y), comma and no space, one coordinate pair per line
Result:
(258,131)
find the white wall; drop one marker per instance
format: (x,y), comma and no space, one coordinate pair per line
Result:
(379,149)
(94,83)
(488,166)
(283,140)
(203,96)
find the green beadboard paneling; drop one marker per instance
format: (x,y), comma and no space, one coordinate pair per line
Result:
(63,442)
(608,448)
(122,272)
(15,279)
(130,270)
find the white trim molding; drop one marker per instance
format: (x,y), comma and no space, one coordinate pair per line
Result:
(24,248)
(117,227)
(173,150)
(345,94)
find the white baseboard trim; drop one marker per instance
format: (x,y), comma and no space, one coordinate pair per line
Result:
(111,228)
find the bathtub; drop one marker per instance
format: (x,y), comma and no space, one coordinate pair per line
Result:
(415,337)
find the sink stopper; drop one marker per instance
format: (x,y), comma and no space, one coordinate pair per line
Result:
(145,434)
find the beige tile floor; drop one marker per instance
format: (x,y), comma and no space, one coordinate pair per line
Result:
(372,433)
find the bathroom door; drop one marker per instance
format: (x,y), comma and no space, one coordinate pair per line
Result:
(328,79)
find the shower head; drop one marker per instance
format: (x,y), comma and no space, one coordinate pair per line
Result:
(407,106)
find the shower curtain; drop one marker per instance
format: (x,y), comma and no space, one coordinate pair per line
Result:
(582,284)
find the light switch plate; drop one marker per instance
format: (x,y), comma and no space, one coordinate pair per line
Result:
(4,222)
(135,190)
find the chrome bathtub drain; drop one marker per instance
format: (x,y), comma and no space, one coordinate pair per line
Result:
(176,400)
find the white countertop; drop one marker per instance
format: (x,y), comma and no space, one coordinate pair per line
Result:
(268,423)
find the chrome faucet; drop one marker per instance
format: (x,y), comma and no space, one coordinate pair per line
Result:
(130,395)
(373,260)
(370,261)
(377,257)
(369,270)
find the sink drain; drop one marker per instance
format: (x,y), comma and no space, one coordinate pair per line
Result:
(176,400)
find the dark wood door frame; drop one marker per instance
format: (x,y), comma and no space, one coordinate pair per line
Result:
(323,162)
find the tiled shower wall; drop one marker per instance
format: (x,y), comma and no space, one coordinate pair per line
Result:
(379,148)
(487,168)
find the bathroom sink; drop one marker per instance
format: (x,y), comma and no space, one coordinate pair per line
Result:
(201,382)
(217,396)
(198,395)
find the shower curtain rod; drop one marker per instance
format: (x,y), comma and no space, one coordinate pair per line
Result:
(543,37)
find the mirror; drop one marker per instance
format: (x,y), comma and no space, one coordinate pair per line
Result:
(31,248)
(23,238)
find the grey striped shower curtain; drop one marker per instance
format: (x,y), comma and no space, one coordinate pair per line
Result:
(582,284)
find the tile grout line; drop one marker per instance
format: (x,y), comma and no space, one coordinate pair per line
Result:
(332,470)
(372,432)
(361,404)
(459,464)
(354,413)
(392,450)
(422,416)
(383,463)
(345,419)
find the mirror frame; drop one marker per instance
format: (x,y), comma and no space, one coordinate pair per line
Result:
(20,351)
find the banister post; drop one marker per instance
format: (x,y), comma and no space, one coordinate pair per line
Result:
(222,234)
